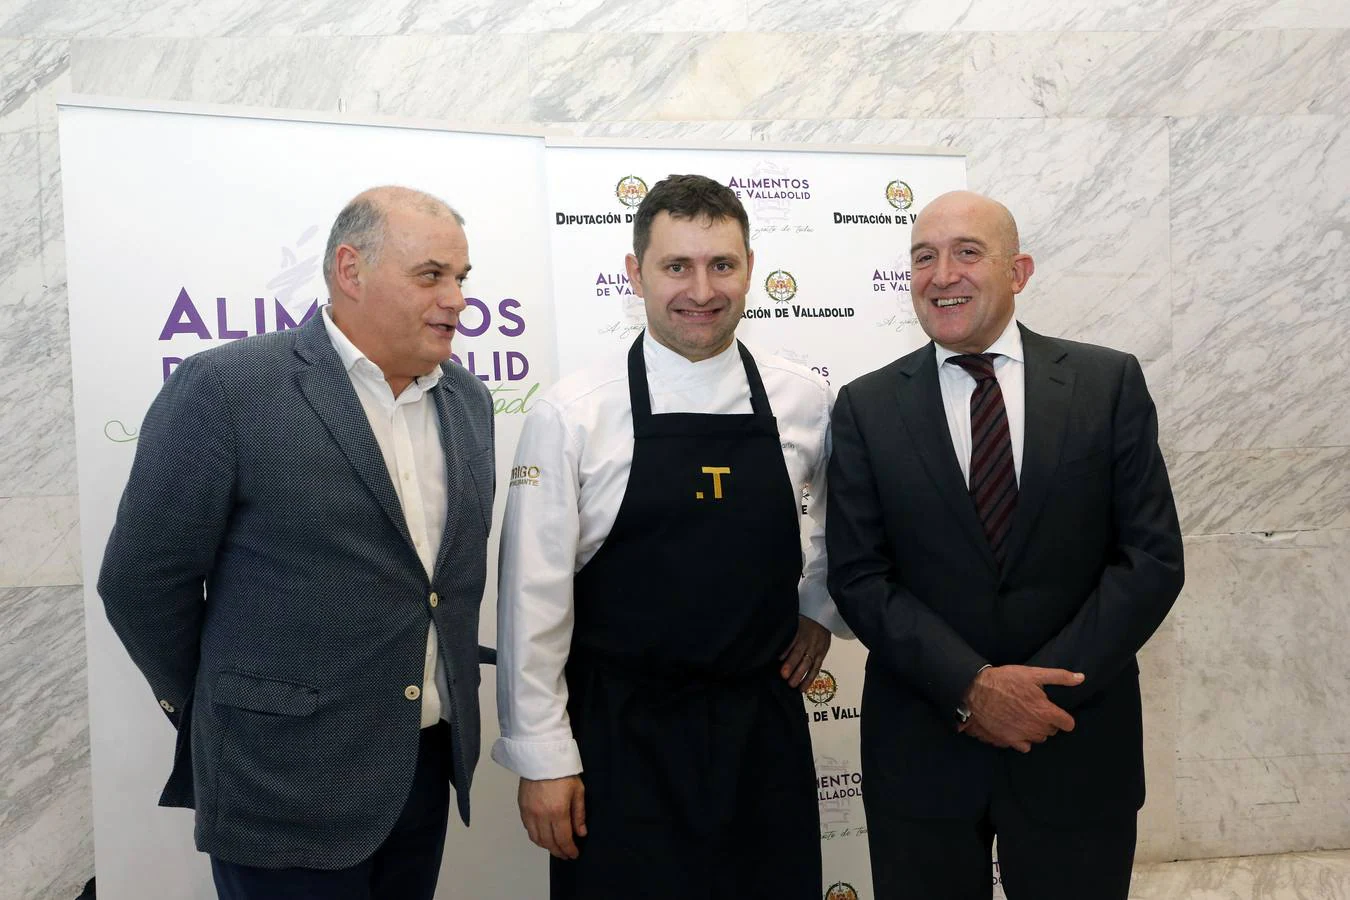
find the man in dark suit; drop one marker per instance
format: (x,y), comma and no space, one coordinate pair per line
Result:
(297,567)
(1002,537)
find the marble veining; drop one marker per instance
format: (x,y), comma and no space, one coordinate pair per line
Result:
(1221,491)
(30,74)
(39,541)
(1261,302)
(1263,14)
(251,18)
(46,836)
(961,15)
(1296,876)
(458,79)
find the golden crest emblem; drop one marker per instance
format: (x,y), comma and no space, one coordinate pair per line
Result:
(899,195)
(630,190)
(780,285)
(841,891)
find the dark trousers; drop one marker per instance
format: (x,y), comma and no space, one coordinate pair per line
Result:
(949,859)
(404,867)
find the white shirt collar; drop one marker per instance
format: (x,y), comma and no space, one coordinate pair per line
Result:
(668,364)
(357,363)
(1009,344)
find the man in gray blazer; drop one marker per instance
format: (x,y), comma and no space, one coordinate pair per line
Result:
(297,567)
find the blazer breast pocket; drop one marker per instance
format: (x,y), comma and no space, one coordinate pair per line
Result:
(264,695)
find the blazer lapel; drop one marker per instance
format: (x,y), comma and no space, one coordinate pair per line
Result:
(1049,390)
(452,442)
(328,389)
(921,410)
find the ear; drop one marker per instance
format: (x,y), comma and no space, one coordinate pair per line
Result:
(630,262)
(1022,267)
(347,270)
(749,264)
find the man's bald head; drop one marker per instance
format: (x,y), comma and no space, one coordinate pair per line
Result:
(363,222)
(970,206)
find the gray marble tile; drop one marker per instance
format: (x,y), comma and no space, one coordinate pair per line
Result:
(1293,876)
(963,15)
(39,541)
(252,18)
(1222,491)
(458,79)
(31,74)
(1263,751)
(20,213)
(1264,14)
(1255,805)
(1261,302)
(46,833)
(581,77)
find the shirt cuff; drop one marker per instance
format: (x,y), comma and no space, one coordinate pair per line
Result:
(538,760)
(819,608)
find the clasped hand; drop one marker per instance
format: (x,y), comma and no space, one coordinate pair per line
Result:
(1009,708)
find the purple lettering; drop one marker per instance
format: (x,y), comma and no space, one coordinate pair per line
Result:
(184,319)
(223,327)
(284,320)
(517,328)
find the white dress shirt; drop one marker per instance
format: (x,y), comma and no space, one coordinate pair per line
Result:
(409,434)
(570,476)
(958,386)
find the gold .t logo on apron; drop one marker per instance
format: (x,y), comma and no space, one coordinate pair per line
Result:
(716,472)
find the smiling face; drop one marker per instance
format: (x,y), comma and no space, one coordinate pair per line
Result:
(966,270)
(693,279)
(402,309)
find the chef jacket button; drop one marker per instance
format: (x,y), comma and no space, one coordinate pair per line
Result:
(412,692)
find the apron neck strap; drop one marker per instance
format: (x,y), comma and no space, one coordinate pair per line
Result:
(641,398)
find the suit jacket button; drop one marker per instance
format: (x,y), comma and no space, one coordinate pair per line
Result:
(412,692)
(435,601)
(166,706)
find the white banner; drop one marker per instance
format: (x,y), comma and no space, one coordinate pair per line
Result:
(187,230)
(830,290)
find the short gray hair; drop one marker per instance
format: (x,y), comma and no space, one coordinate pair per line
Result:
(362,224)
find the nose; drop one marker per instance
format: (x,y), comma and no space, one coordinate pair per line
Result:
(945,273)
(453,297)
(700,288)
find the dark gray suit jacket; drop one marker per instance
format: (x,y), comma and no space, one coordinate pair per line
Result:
(1094,562)
(261,575)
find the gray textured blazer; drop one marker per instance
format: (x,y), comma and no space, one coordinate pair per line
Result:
(261,575)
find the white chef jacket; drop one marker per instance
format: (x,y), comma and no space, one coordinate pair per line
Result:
(569,479)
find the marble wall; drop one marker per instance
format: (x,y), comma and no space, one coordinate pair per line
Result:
(1181,172)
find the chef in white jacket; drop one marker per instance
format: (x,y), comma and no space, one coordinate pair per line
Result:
(658,613)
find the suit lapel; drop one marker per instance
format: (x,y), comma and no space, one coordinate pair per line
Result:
(921,410)
(1049,390)
(328,389)
(452,442)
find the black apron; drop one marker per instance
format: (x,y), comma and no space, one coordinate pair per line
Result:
(699,776)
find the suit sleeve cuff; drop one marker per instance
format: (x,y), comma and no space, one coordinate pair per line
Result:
(538,760)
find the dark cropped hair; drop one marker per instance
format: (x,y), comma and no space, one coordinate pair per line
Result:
(687,197)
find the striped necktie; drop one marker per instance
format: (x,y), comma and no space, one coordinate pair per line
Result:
(993,478)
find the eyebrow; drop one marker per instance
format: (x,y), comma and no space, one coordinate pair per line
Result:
(922,245)
(445,267)
(688,260)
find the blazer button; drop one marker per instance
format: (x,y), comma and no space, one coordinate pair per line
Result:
(166,706)
(434,601)
(412,692)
